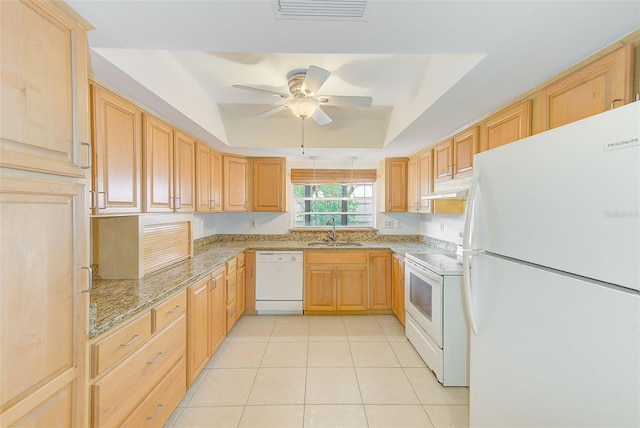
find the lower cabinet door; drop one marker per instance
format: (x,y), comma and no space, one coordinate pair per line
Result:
(162,401)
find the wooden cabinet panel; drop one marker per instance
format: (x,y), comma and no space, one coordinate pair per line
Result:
(590,90)
(208,179)
(443,161)
(197,328)
(425,180)
(250,282)
(156,409)
(168,310)
(117,154)
(158,165)
(184,172)
(43,311)
(55,411)
(465,146)
(119,344)
(380,280)
(335,257)
(268,181)
(351,288)
(44,89)
(217,310)
(506,126)
(236,190)
(232,294)
(319,288)
(117,393)
(395,193)
(413,186)
(397,287)
(240,290)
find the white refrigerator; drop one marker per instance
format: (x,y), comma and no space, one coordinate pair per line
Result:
(552,277)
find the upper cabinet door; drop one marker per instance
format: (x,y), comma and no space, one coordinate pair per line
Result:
(117,148)
(236,188)
(184,172)
(425,180)
(395,184)
(507,126)
(413,186)
(268,184)
(595,88)
(158,165)
(43,75)
(465,146)
(443,161)
(203,177)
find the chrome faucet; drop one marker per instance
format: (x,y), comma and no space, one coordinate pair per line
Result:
(332,234)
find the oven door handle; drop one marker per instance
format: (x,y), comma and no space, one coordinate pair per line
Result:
(416,268)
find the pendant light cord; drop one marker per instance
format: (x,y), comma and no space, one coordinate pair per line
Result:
(302,133)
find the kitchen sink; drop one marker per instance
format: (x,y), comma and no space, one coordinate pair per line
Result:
(334,244)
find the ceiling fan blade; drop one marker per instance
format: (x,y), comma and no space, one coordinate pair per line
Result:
(272,111)
(345,101)
(321,117)
(267,91)
(314,79)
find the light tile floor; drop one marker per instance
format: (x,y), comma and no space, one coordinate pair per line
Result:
(319,371)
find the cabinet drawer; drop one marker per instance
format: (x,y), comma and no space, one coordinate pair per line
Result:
(169,310)
(117,345)
(231,265)
(336,257)
(122,389)
(162,401)
(240,260)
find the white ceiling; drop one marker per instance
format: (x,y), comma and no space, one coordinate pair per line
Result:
(432,67)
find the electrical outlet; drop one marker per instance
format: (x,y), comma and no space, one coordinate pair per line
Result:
(398,223)
(387,224)
(252,223)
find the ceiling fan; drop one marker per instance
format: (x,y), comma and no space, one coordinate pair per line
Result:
(303,99)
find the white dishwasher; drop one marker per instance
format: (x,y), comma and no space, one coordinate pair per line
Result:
(279,282)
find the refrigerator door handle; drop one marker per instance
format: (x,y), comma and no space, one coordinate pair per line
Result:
(467,254)
(468,251)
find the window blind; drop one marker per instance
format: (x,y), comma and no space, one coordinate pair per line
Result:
(341,176)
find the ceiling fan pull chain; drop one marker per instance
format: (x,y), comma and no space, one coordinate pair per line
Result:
(302,132)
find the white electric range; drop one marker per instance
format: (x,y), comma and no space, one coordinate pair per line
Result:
(435,317)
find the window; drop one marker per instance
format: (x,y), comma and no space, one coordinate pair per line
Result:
(350,205)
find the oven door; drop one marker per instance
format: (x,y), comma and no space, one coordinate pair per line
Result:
(423,299)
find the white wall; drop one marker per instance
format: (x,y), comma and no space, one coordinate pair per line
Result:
(445,227)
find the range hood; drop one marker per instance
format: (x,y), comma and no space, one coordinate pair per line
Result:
(452,189)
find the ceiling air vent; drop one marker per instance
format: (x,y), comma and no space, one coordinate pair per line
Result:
(321,9)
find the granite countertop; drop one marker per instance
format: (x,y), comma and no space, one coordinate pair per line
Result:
(114,301)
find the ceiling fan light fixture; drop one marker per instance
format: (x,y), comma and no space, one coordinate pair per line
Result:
(303,107)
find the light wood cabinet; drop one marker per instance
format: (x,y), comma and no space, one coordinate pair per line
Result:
(241,284)
(236,184)
(268,184)
(394,173)
(232,293)
(420,182)
(217,310)
(380,280)
(335,281)
(117,154)
(208,179)
(184,173)
(157,165)
(397,287)
(198,324)
(595,88)
(507,126)
(169,168)
(134,371)
(44,120)
(250,282)
(44,218)
(454,158)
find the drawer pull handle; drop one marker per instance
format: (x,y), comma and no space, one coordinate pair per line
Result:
(158,356)
(133,339)
(160,406)
(174,309)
